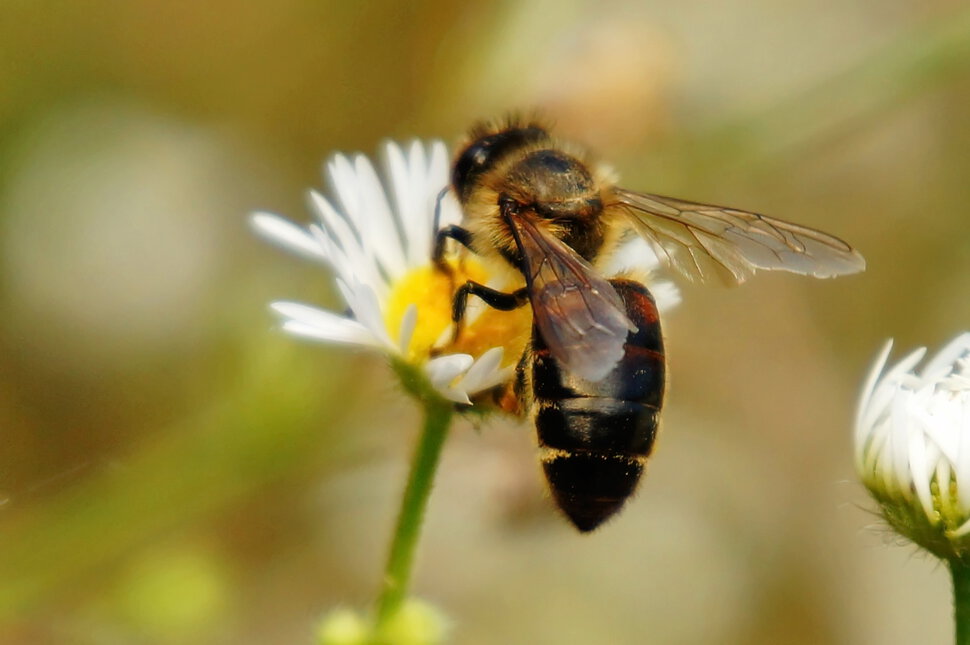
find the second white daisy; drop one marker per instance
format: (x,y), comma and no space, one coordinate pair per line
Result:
(912,445)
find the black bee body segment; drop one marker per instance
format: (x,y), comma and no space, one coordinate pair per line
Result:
(596,436)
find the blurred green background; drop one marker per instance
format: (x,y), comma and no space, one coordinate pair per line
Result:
(174,470)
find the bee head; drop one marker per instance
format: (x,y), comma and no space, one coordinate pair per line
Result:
(487,147)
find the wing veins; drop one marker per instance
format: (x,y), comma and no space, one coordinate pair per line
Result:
(739,242)
(580,317)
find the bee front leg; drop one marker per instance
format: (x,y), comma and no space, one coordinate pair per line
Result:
(461,235)
(492,297)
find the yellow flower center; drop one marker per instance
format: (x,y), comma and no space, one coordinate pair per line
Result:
(432,292)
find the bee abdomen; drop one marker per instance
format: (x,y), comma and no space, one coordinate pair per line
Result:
(589,487)
(595,436)
(594,449)
(593,424)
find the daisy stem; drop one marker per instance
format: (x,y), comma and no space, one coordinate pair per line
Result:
(960,572)
(397,574)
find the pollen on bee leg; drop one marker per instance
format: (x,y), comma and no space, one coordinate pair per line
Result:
(509,402)
(510,330)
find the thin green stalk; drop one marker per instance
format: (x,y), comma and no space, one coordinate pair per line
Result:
(961,600)
(397,573)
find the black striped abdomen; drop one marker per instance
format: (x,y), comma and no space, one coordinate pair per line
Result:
(595,436)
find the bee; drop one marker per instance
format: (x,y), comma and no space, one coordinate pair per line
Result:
(593,375)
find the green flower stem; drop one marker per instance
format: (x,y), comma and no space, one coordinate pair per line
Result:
(397,574)
(960,571)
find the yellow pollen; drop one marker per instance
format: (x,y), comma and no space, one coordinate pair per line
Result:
(432,291)
(494,328)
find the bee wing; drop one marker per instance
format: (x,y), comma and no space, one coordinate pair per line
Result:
(697,238)
(581,317)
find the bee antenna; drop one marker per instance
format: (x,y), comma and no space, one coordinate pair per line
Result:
(437,210)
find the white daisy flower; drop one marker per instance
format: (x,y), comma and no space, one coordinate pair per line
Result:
(378,243)
(912,445)
(377,238)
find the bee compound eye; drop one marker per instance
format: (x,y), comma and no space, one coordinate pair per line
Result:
(485,152)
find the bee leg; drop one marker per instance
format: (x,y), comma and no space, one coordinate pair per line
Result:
(492,297)
(437,210)
(510,397)
(454,232)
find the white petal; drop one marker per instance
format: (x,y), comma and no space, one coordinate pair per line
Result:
(442,202)
(635,254)
(937,428)
(438,166)
(306,314)
(374,219)
(343,183)
(665,294)
(888,385)
(957,415)
(872,455)
(408,323)
(320,324)
(354,266)
(943,475)
(944,362)
(442,370)
(336,227)
(412,218)
(456,395)
(485,373)
(364,304)
(359,337)
(922,473)
(863,429)
(418,172)
(287,235)
(873,376)
(897,469)
(339,237)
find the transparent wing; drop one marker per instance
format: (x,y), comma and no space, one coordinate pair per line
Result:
(701,239)
(580,316)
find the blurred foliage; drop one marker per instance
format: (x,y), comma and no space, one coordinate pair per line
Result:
(174,470)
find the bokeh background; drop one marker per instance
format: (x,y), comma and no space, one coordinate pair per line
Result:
(174,470)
